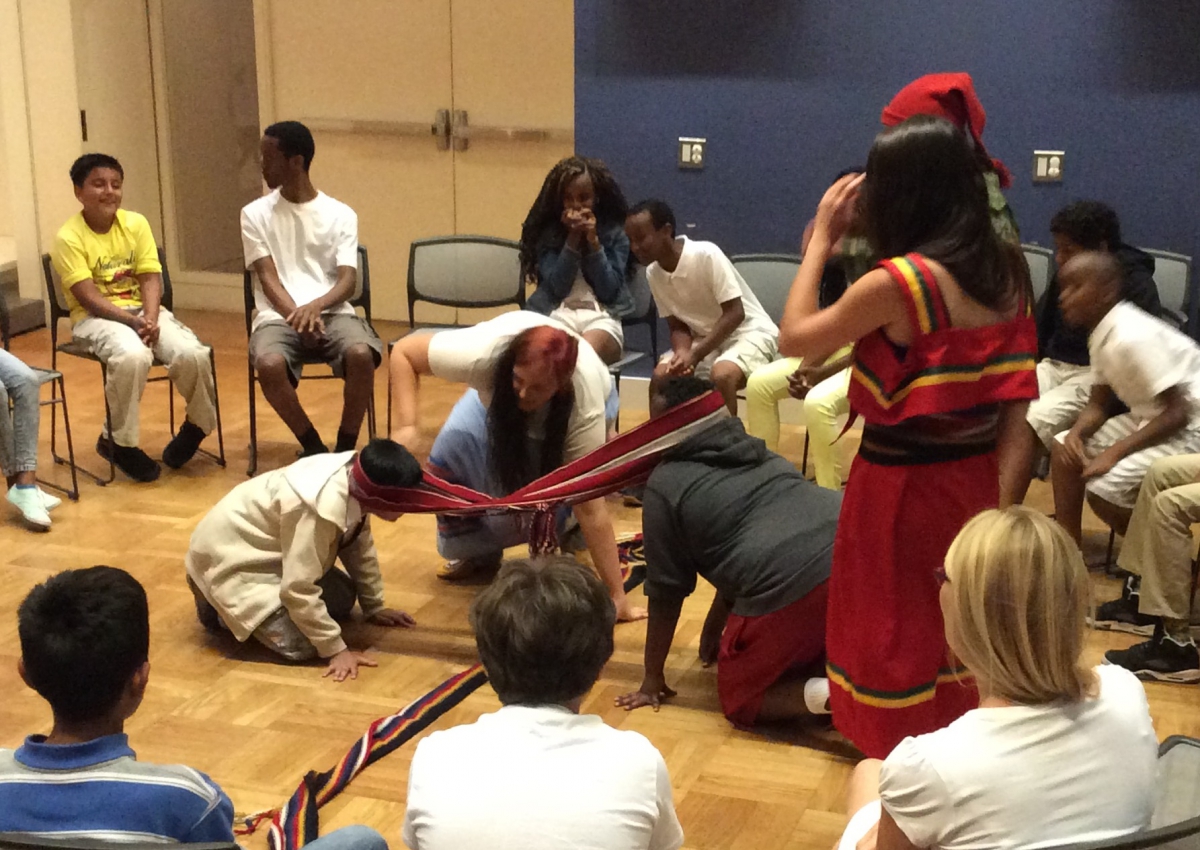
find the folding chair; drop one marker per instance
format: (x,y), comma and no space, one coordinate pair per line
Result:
(83,350)
(360,300)
(770,278)
(463,272)
(1173,277)
(21,841)
(58,397)
(1041,269)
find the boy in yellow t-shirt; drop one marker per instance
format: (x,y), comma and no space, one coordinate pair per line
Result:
(112,281)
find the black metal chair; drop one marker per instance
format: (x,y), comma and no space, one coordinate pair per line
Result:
(464,272)
(58,397)
(360,300)
(83,350)
(20,841)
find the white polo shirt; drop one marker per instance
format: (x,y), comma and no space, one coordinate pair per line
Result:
(539,778)
(700,284)
(469,356)
(1141,356)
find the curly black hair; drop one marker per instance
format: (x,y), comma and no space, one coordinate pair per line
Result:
(543,227)
(1091,225)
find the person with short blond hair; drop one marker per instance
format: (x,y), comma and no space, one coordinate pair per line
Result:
(1027,767)
(538,773)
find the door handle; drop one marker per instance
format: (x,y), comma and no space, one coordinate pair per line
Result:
(439,129)
(461,133)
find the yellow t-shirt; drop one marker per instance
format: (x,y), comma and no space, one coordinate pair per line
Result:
(112,260)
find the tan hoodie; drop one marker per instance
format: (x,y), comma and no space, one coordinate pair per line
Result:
(268,542)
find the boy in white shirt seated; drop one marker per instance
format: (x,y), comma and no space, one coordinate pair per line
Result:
(719,331)
(1137,360)
(537,773)
(303,248)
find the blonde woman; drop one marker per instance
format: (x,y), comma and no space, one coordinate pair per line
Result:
(1055,752)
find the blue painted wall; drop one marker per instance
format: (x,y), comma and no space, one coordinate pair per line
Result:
(788,92)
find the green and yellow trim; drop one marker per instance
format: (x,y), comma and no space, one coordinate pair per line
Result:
(938,375)
(897,699)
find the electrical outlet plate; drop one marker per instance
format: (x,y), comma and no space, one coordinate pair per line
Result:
(692,152)
(1048,166)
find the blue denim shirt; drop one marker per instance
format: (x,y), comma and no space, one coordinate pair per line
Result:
(604,271)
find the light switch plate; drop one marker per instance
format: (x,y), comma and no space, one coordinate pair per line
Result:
(692,152)
(1048,166)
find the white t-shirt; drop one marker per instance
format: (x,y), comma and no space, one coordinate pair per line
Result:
(307,242)
(533,777)
(469,356)
(1029,776)
(1140,356)
(700,284)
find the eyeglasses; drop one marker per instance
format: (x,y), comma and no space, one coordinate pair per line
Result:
(940,575)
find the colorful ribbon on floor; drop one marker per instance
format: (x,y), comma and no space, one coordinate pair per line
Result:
(625,461)
(298,822)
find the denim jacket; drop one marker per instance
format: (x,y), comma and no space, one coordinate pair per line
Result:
(604,271)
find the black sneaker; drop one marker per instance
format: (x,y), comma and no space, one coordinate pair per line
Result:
(183,445)
(129,459)
(1161,659)
(1122,615)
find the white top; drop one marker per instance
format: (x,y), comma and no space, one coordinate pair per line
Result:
(1029,776)
(307,242)
(1141,356)
(532,777)
(469,355)
(700,284)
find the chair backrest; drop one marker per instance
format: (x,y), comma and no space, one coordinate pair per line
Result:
(1041,268)
(769,277)
(1173,277)
(643,299)
(1175,823)
(464,271)
(19,841)
(361,299)
(57,296)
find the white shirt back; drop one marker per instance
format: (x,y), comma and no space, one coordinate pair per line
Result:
(1029,776)
(1140,356)
(533,777)
(700,284)
(307,242)
(469,356)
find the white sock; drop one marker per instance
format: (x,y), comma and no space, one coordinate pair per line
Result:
(816,696)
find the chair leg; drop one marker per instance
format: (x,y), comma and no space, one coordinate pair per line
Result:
(171,405)
(219,457)
(112,466)
(58,395)
(253,465)
(371,426)
(1112,538)
(804,461)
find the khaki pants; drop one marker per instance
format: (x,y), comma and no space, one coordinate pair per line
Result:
(128,361)
(1158,546)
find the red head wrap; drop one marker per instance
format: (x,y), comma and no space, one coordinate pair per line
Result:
(949,96)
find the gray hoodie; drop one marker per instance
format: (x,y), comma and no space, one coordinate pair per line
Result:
(722,506)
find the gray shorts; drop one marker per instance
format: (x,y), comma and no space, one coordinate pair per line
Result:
(342,332)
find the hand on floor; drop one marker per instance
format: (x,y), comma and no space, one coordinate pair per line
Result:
(345,665)
(627,613)
(392,617)
(650,693)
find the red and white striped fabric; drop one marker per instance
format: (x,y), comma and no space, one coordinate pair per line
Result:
(625,461)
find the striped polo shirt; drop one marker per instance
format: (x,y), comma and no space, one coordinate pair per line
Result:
(99,790)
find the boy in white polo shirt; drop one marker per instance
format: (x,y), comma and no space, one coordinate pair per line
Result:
(538,773)
(1137,360)
(303,247)
(718,329)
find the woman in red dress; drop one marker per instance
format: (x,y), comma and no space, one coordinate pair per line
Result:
(943,371)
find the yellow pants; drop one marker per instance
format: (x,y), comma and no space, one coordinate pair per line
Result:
(826,409)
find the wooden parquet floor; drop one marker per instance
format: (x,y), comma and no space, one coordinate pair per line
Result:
(256,726)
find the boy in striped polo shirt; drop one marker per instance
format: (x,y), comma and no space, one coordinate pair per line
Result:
(85,644)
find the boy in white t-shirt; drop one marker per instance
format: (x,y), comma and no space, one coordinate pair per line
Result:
(537,773)
(1137,360)
(303,248)
(718,328)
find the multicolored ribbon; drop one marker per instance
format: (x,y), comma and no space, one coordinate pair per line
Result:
(625,461)
(298,821)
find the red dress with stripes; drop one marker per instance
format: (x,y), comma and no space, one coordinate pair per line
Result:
(926,466)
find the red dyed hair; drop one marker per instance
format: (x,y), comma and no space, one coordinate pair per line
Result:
(548,347)
(950,96)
